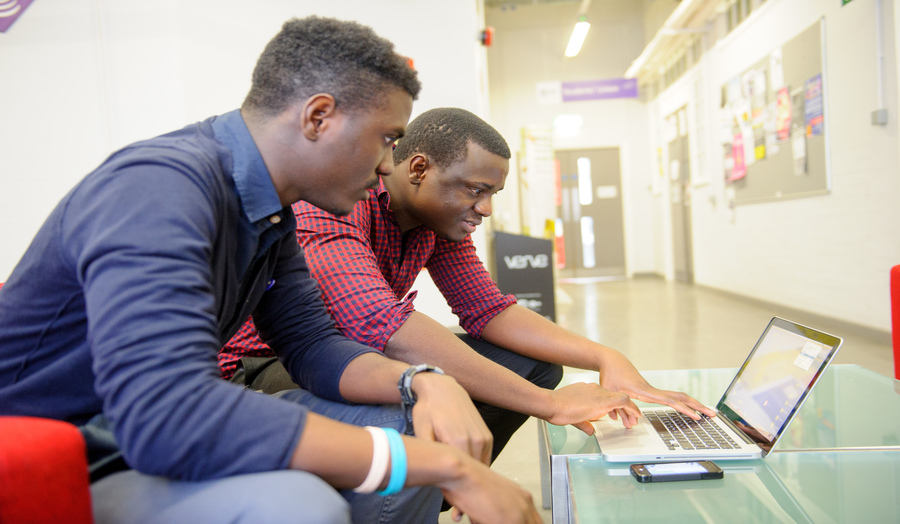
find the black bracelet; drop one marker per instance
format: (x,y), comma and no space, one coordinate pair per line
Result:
(408,398)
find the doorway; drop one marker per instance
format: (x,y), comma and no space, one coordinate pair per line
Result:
(680,192)
(589,214)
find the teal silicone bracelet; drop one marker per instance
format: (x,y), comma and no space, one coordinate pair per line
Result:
(398,463)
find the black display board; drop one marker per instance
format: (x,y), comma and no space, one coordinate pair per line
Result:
(524,268)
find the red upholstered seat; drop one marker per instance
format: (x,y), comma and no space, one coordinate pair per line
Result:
(43,472)
(895,317)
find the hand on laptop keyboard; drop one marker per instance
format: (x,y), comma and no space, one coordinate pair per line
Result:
(617,373)
(579,403)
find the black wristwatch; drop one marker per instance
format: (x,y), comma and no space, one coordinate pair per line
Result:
(408,398)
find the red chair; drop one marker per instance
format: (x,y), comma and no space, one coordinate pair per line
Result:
(43,472)
(895,317)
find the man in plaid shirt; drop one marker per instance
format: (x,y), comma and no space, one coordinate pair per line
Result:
(446,169)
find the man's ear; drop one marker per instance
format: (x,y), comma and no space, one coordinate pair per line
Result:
(418,167)
(316,116)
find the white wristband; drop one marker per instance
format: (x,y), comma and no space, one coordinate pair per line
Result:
(381,453)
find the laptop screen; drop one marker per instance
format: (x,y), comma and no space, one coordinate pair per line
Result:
(776,378)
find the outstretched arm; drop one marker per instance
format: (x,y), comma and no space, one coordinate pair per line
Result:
(421,339)
(528,333)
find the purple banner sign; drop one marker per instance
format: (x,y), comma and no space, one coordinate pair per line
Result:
(10,11)
(599,89)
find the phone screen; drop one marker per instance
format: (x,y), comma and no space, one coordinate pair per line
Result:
(676,468)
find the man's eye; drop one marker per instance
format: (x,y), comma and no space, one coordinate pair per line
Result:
(477,191)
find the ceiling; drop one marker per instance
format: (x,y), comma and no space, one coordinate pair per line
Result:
(683,21)
(516,3)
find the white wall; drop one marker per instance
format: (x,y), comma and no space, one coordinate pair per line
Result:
(81,78)
(529,48)
(831,254)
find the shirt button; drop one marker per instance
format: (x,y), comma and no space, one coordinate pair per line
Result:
(274,219)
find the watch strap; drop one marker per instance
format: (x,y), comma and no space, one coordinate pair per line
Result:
(408,398)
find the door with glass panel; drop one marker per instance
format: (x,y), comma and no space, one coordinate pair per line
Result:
(680,187)
(589,214)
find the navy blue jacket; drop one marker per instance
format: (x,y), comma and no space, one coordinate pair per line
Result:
(138,277)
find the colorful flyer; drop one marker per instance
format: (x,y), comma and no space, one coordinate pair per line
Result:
(783,113)
(815,119)
(756,82)
(737,153)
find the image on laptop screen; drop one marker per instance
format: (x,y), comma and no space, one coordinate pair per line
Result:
(774,381)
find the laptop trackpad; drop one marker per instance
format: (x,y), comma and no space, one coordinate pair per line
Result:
(615,439)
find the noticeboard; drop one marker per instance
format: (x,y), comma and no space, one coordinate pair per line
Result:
(774,124)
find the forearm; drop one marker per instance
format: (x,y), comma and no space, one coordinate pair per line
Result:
(372,378)
(341,454)
(422,340)
(521,330)
(525,332)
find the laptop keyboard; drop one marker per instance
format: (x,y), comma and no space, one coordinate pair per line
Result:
(679,431)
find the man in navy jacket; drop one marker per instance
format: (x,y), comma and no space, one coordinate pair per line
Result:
(113,317)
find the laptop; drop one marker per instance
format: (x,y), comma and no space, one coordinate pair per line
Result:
(752,415)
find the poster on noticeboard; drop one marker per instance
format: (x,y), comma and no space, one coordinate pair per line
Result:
(814,116)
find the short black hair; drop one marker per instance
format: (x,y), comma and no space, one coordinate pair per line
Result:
(443,134)
(323,55)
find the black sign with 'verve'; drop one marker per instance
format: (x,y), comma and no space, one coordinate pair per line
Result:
(524,268)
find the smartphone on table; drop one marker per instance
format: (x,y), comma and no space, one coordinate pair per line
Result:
(672,471)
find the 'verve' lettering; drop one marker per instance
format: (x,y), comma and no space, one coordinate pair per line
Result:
(523,261)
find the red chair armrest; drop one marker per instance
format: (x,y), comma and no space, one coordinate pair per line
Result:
(43,472)
(895,317)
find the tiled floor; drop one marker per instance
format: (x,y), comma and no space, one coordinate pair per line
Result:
(666,325)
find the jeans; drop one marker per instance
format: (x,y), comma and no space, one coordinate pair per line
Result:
(130,497)
(277,496)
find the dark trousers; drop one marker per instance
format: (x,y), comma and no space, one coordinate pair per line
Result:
(269,376)
(503,422)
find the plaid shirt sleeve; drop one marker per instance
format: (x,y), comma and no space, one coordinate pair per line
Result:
(463,280)
(341,259)
(245,343)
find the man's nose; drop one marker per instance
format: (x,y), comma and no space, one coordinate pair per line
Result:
(386,166)
(483,207)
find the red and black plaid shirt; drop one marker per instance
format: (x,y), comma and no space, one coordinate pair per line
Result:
(365,275)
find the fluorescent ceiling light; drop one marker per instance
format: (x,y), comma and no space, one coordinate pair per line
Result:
(675,21)
(578,34)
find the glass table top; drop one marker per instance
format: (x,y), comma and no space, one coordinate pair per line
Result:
(850,407)
(820,487)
